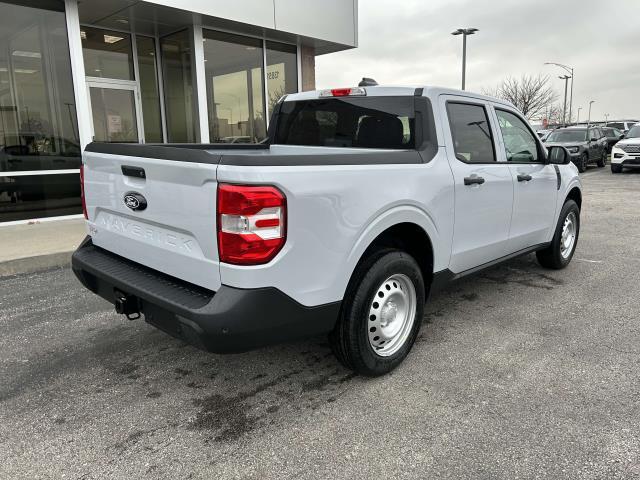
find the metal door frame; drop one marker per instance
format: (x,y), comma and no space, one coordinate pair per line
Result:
(115,84)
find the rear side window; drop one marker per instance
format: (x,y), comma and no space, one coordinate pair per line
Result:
(471,132)
(366,122)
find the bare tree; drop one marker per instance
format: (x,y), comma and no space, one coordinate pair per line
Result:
(532,95)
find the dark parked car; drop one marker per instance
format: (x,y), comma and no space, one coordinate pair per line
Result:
(586,145)
(613,136)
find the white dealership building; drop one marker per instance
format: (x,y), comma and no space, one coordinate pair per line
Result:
(171,71)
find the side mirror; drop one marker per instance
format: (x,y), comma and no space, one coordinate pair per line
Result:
(623,136)
(559,155)
(594,139)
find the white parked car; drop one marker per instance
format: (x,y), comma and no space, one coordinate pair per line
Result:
(363,203)
(626,153)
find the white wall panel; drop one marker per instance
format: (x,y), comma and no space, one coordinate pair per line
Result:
(254,12)
(332,20)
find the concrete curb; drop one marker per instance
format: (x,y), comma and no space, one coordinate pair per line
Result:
(34,264)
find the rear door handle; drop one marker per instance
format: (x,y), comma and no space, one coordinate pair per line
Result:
(473,180)
(524,178)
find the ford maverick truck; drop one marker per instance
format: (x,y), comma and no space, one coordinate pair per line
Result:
(360,204)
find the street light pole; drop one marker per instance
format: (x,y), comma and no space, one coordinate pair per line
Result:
(564,110)
(570,70)
(606,119)
(464,32)
(589,119)
(579,108)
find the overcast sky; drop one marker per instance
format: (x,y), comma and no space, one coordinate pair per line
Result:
(410,42)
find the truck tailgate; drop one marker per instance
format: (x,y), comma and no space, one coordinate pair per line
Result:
(175,233)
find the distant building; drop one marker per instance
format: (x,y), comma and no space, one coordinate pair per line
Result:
(144,71)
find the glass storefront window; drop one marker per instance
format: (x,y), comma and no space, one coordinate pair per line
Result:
(107,54)
(150,99)
(39,196)
(114,115)
(178,87)
(38,123)
(282,71)
(235,88)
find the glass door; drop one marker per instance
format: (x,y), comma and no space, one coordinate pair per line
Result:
(115,111)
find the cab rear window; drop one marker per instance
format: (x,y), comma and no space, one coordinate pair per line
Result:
(365,122)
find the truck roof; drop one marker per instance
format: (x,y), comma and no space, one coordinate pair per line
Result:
(402,90)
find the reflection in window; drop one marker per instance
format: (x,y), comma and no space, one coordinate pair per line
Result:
(38,127)
(282,72)
(234,77)
(107,54)
(178,87)
(39,196)
(146,49)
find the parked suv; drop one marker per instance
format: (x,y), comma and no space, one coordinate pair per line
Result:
(613,136)
(623,125)
(626,153)
(586,145)
(363,202)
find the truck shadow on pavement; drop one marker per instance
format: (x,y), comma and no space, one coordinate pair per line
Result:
(140,373)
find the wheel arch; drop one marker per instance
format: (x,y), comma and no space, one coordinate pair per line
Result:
(410,230)
(575,194)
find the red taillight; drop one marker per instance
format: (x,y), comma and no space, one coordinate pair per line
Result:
(251,223)
(84,203)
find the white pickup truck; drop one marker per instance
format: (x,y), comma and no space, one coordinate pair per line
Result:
(361,203)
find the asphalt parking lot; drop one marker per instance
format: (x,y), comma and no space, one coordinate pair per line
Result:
(518,373)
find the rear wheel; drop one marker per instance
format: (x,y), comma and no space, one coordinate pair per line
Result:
(616,168)
(603,160)
(565,239)
(381,313)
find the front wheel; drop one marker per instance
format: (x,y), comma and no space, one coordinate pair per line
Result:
(616,168)
(582,163)
(381,313)
(565,239)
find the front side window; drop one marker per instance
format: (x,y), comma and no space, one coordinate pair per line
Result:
(519,143)
(351,122)
(471,133)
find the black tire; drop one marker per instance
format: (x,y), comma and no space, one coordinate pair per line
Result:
(603,160)
(350,338)
(551,257)
(616,168)
(582,163)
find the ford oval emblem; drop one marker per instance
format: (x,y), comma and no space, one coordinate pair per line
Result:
(135,201)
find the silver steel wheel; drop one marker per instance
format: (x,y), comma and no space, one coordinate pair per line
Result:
(391,315)
(569,231)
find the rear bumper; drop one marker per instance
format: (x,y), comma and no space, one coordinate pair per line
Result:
(229,320)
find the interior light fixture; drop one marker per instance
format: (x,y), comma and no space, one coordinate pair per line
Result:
(111,39)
